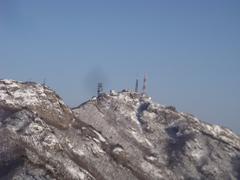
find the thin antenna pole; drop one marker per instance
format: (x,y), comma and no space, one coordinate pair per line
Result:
(145,84)
(136,86)
(44,82)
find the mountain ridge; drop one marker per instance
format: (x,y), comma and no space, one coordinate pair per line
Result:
(117,135)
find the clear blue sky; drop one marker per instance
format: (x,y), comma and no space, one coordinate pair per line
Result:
(190,50)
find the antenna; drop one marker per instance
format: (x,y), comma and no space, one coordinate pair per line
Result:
(145,84)
(44,82)
(99,89)
(136,86)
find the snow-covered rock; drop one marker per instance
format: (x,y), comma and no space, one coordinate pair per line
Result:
(37,98)
(157,142)
(122,136)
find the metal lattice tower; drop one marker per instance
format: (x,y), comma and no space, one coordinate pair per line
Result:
(145,84)
(136,86)
(99,89)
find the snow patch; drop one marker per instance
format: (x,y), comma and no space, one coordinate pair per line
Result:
(50,141)
(28,96)
(151,158)
(101,138)
(8,81)
(196,119)
(149,143)
(149,115)
(133,117)
(96,149)
(117,150)
(141,139)
(3,95)
(197,154)
(151,169)
(75,172)
(35,128)
(78,152)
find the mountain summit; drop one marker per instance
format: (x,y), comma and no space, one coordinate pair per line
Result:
(120,135)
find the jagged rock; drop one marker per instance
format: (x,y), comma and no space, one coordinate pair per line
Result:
(115,136)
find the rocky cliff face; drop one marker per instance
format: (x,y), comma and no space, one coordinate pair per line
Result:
(115,136)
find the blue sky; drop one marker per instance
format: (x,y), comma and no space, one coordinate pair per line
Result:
(189,49)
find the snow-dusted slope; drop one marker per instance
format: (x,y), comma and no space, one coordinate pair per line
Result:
(116,136)
(157,142)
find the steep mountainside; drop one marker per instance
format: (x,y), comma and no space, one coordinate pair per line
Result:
(115,136)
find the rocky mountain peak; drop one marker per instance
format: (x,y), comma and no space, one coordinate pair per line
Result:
(118,135)
(40,99)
